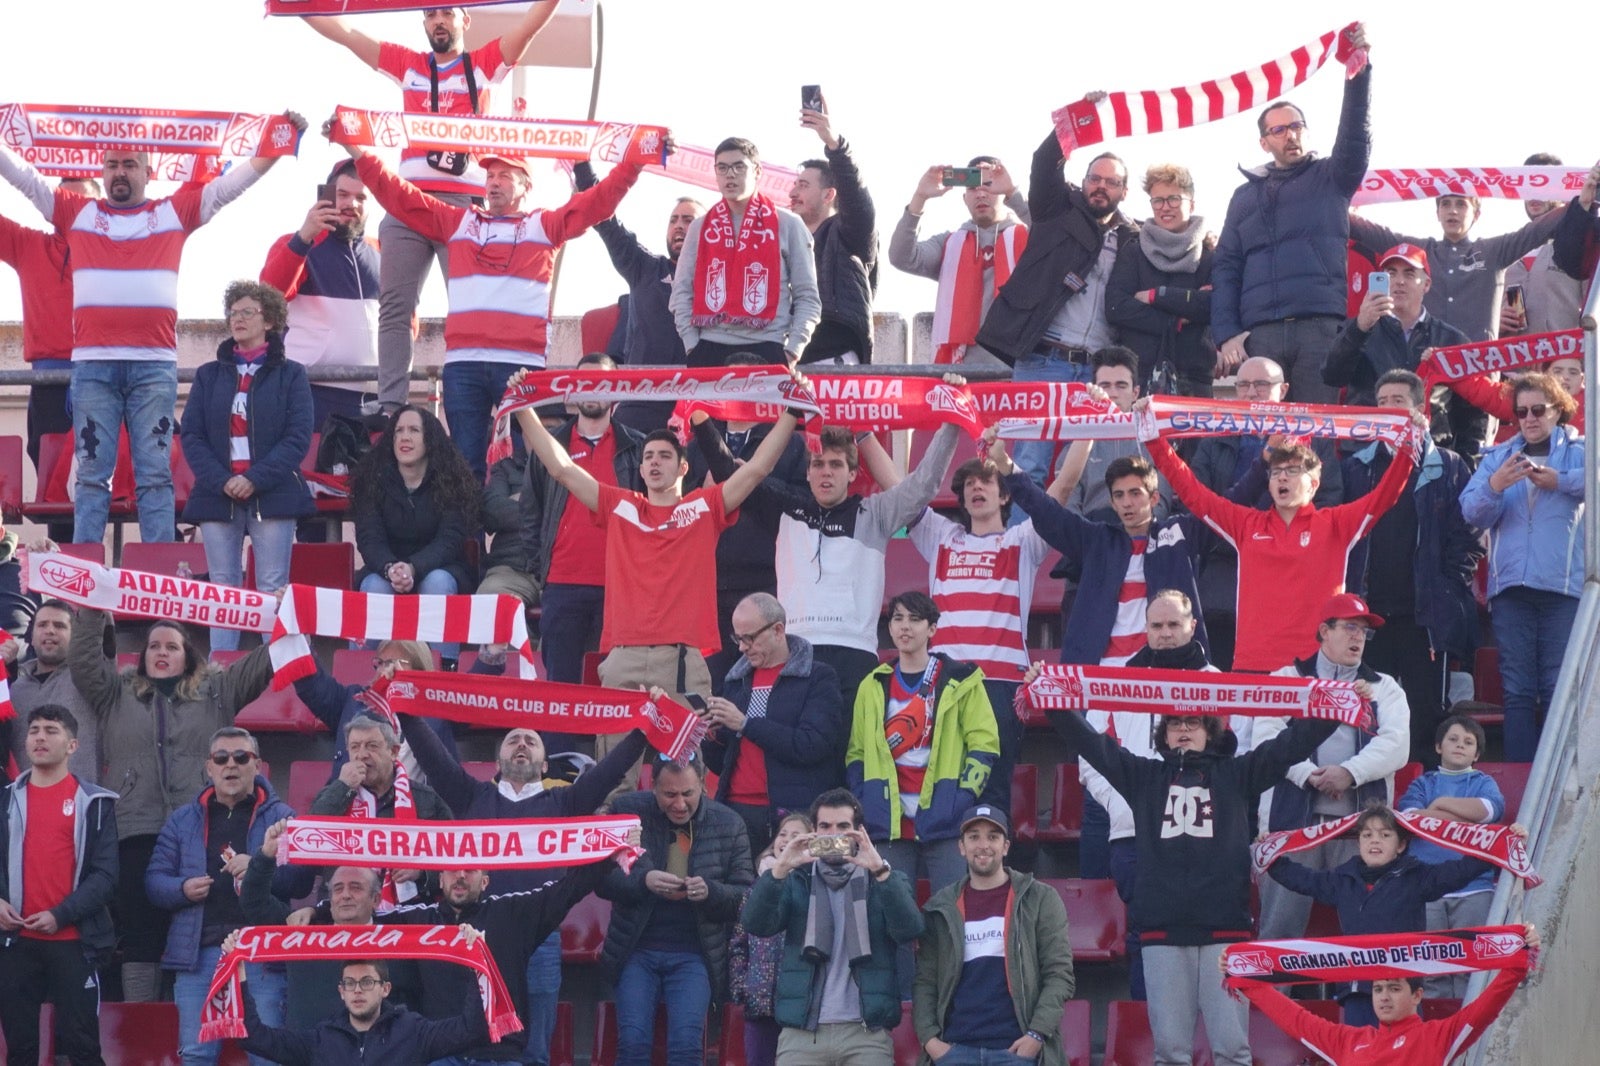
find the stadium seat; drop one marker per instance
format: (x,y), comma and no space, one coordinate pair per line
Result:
(306,778)
(11,452)
(1271,1046)
(1025,803)
(1403,778)
(562,1040)
(904,569)
(583,930)
(907,1049)
(51,498)
(1512,777)
(597,325)
(329,566)
(1076,1032)
(274,711)
(730,1047)
(165,558)
(1486,686)
(1128,1039)
(1066,806)
(182,476)
(352,666)
(1096,918)
(95,553)
(139,1034)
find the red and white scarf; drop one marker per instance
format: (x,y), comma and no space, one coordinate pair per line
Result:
(222,1015)
(83,127)
(1504,183)
(958,309)
(738,271)
(1184,416)
(573,139)
(364,808)
(1190,692)
(862,402)
(83,163)
(522,844)
(311,611)
(751,384)
(1126,114)
(512,703)
(697,167)
(359,7)
(1377,956)
(1491,843)
(135,592)
(1049,410)
(1508,354)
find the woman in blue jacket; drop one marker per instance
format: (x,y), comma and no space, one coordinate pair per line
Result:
(246,427)
(1528,494)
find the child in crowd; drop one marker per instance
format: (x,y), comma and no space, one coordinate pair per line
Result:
(753,962)
(1382,890)
(1460,793)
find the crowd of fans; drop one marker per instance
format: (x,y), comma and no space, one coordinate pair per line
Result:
(730,570)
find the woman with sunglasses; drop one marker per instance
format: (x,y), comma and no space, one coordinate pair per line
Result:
(1528,494)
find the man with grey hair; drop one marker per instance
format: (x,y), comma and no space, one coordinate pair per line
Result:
(374,784)
(778,731)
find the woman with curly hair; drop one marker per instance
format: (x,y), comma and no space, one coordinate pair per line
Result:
(246,428)
(415,503)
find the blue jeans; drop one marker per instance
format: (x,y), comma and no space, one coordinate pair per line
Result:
(266,985)
(1531,626)
(544,989)
(967,1055)
(1034,457)
(1125,870)
(271,538)
(677,979)
(433,583)
(472,388)
(104,396)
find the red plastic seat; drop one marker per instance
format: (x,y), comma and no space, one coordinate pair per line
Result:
(11,452)
(51,495)
(306,778)
(139,1034)
(1271,1046)
(182,476)
(1128,1039)
(164,558)
(352,666)
(1096,918)
(1403,778)
(95,553)
(904,569)
(605,1035)
(1066,806)
(1486,684)
(278,711)
(562,1040)
(596,327)
(730,1046)
(583,930)
(1076,1032)
(329,566)
(1434,1009)
(1512,777)
(907,1049)
(1025,803)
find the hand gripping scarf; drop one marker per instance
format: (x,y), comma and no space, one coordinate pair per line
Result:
(1125,114)
(1508,354)
(1494,844)
(1190,692)
(1377,956)
(222,1016)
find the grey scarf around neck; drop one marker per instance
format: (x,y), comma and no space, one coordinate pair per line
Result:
(1177,253)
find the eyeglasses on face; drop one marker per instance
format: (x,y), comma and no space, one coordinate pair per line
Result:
(1253,386)
(240,758)
(737,170)
(380,663)
(365,984)
(744,640)
(1290,472)
(1175,200)
(1355,629)
(1286,127)
(245,312)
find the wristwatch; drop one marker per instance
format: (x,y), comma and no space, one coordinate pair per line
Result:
(883,871)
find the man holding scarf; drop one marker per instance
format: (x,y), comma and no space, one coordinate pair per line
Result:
(747,276)
(844,915)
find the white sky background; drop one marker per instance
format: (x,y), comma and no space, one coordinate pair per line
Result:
(909,83)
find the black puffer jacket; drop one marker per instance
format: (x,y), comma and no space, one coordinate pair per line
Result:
(1153,329)
(719,852)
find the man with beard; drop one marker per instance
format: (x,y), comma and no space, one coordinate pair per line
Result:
(844,914)
(1050,316)
(650,336)
(447,81)
(995,965)
(41,680)
(328,271)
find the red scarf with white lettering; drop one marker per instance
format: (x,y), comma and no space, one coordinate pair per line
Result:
(1377,956)
(738,271)
(1509,354)
(861,402)
(522,844)
(1126,114)
(514,703)
(1503,183)
(222,1016)
(1137,690)
(1494,844)
(958,308)
(135,592)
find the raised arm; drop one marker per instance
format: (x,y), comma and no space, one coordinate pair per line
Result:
(342,33)
(514,44)
(745,479)
(578,481)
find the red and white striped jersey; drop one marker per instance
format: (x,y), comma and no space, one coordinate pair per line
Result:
(983,587)
(499,267)
(1128,631)
(409,70)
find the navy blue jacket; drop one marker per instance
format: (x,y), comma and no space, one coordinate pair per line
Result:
(399,1037)
(180,854)
(746,551)
(1171,562)
(1448,547)
(1282,250)
(802,737)
(1391,904)
(280,436)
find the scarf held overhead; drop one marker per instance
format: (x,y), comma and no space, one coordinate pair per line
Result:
(512,703)
(213,133)
(1504,183)
(1489,843)
(84,163)
(523,844)
(1140,691)
(134,592)
(863,402)
(1126,114)
(1510,354)
(1184,416)
(1377,956)
(311,611)
(222,1016)
(490,135)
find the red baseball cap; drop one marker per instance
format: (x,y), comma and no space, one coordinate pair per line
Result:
(1410,253)
(1349,605)
(515,162)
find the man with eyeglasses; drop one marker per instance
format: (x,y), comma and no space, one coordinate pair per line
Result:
(1050,317)
(500,267)
(1416,568)
(778,730)
(196,871)
(747,276)
(1349,769)
(1279,276)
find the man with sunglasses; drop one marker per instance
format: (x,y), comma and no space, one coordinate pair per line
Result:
(1279,277)
(196,871)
